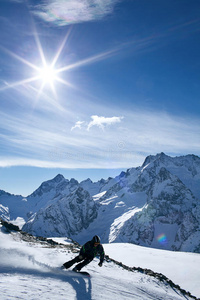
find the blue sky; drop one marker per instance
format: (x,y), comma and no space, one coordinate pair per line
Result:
(90,88)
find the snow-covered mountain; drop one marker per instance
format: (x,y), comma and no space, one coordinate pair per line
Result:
(155,205)
(67,214)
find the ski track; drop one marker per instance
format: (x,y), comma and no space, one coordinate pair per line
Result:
(25,283)
(53,283)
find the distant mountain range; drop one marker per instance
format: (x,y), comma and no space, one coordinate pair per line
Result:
(155,205)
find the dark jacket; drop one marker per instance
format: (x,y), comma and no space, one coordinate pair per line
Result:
(89,250)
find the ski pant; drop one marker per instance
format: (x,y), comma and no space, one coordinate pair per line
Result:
(79,258)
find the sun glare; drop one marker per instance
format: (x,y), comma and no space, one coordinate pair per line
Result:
(48,75)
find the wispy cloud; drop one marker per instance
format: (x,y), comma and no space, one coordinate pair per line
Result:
(64,12)
(78,125)
(33,141)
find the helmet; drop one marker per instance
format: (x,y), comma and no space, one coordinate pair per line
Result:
(96,239)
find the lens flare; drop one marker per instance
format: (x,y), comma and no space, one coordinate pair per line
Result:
(161,238)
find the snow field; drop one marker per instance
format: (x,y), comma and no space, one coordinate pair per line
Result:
(32,271)
(181,267)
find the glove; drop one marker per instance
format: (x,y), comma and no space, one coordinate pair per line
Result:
(100,264)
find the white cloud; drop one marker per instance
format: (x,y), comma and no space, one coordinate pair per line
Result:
(64,12)
(101,122)
(78,125)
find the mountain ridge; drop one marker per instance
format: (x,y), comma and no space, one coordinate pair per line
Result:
(159,198)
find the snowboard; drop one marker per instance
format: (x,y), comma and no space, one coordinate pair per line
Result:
(78,272)
(82,273)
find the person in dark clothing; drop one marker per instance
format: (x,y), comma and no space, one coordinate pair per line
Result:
(87,253)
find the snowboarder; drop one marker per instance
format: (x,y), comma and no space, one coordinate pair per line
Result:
(87,253)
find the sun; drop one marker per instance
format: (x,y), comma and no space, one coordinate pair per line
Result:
(47,74)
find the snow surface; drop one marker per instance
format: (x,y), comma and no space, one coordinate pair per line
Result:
(181,267)
(32,271)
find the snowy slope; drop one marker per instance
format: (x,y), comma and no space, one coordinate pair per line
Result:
(31,271)
(181,267)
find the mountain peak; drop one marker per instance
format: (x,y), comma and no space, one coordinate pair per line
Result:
(87,180)
(58,178)
(48,185)
(151,158)
(4,193)
(73,181)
